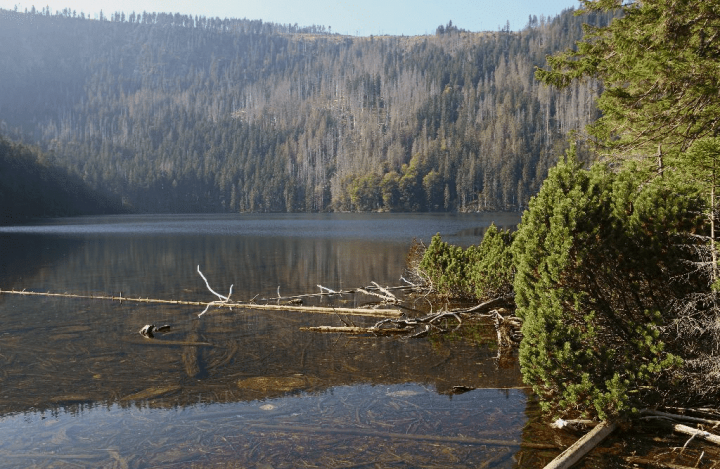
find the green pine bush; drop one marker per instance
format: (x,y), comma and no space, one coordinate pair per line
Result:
(600,264)
(445,266)
(477,273)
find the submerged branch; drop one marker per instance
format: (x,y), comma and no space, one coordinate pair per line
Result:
(365,432)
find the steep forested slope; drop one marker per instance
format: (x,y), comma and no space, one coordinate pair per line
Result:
(32,186)
(174,113)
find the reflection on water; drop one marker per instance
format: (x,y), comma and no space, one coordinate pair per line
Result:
(393,227)
(235,384)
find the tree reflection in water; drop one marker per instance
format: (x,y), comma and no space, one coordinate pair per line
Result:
(234,387)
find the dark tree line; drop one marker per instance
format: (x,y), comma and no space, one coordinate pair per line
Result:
(32,186)
(176,113)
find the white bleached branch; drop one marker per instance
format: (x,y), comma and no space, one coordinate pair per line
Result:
(223,299)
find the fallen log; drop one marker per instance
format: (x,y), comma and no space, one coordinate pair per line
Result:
(580,448)
(687,418)
(353,330)
(344,329)
(396,313)
(301,309)
(420,326)
(710,412)
(695,433)
(327,292)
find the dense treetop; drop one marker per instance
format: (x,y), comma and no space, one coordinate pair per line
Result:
(659,66)
(177,113)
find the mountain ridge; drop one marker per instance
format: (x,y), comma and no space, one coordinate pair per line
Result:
(169,113)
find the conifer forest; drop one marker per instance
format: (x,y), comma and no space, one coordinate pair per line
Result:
(159,112)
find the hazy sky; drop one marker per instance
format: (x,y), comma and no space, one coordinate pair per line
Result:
(355,17)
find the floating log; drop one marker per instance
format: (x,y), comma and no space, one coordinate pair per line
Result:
(354,330)
(396,313)
(239,305)
(344,329)
(421,326)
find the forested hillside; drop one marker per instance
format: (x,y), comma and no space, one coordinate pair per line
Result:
(32,186)
(179,114)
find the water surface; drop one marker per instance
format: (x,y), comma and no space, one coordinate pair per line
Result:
(81,387)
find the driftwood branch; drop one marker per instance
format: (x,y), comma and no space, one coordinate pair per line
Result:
(581,447)
(686,418)
(411,284)
(695,433)
(385,291)
(223,299)
(365,432)
(384,294)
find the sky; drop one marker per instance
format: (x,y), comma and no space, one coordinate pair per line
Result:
(352,17)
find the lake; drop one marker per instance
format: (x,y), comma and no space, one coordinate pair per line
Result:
(80,387)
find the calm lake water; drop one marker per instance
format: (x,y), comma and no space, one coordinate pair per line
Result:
(79,387)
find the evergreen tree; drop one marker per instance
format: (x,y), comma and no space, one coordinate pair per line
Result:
(481,272)
(599,256)
(658,64)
